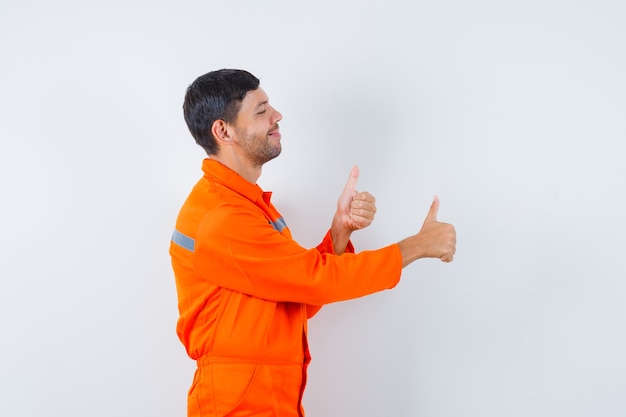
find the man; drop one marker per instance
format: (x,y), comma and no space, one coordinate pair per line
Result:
(245,287)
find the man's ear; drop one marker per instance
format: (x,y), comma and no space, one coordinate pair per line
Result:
(222,131)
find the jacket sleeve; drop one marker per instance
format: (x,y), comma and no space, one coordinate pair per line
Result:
(326,246)
(238,249)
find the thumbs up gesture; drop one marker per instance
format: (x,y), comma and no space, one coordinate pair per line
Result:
(435,239)
(355,209)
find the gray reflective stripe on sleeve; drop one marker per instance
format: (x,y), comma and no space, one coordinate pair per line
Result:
(279,224)
(183,241)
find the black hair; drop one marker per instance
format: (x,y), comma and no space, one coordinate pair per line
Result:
(213,96)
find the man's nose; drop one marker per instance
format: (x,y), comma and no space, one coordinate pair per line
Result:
(277,117)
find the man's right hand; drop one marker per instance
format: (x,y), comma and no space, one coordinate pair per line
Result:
(434,240)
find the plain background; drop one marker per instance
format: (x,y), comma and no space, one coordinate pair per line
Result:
(512,112)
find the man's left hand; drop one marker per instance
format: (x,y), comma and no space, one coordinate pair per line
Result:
(355,209)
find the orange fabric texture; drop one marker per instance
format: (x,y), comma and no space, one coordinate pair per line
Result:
(245,292)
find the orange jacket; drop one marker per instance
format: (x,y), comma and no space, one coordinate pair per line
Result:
(245,291)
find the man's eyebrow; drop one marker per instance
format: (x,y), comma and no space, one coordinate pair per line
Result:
(260,104)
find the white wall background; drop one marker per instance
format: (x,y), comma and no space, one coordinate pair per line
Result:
(512,112)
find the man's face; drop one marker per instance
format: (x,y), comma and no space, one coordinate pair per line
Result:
(256,128)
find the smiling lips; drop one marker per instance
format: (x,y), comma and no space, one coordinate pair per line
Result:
(274,132)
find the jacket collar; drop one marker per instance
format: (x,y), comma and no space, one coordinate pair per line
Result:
(234,181)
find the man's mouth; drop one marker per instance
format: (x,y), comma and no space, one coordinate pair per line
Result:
(275,133)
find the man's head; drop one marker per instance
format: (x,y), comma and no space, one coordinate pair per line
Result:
(216,95)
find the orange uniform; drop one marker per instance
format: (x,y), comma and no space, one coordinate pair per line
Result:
(245,291)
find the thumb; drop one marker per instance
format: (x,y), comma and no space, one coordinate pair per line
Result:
(345,199)
(432,213)
(352,180)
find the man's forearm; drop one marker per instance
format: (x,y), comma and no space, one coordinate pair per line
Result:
(340,235)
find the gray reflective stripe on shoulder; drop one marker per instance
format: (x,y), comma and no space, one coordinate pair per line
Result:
(183,241)
(279,224)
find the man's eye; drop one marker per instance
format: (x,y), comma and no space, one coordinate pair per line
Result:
(261,112)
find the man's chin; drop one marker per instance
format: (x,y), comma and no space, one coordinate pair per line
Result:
(271,155)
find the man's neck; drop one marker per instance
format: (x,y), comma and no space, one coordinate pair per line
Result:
(241,166)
